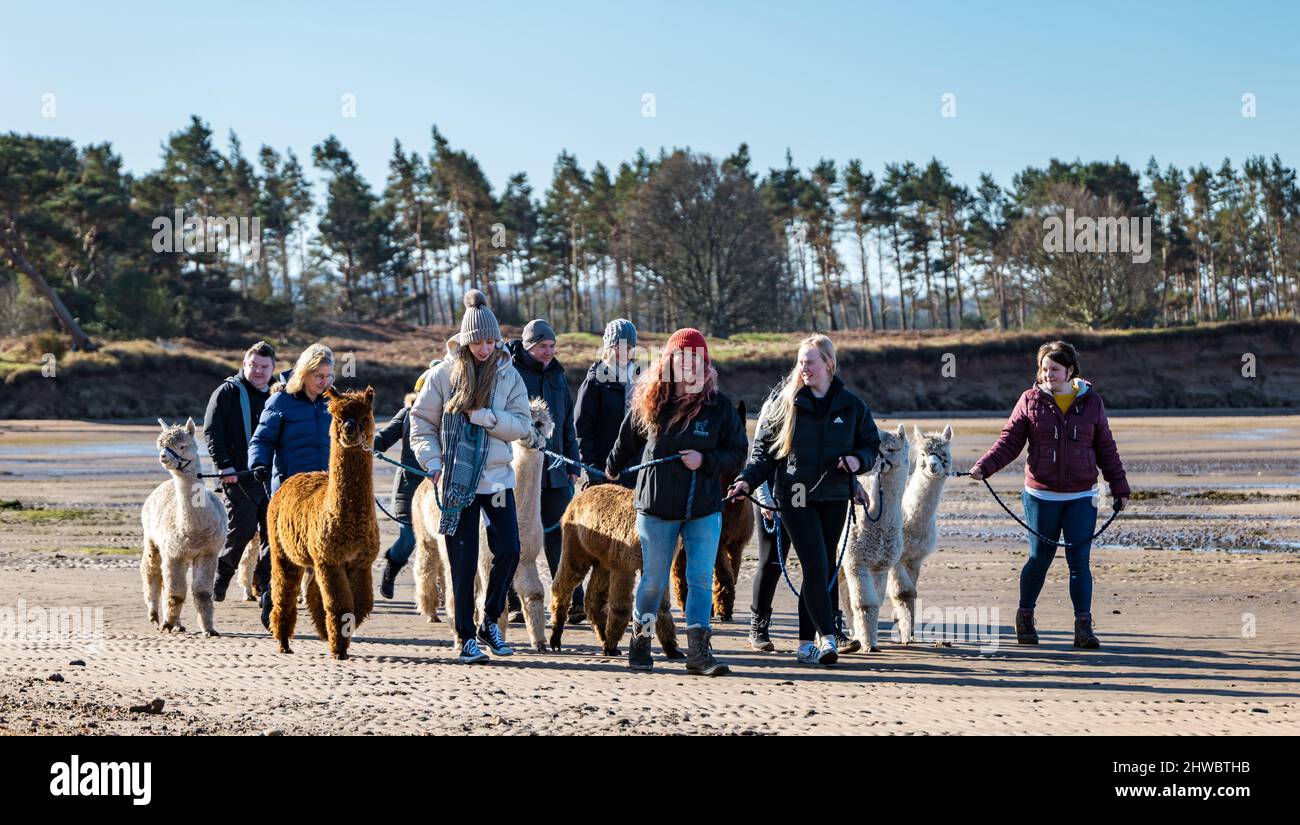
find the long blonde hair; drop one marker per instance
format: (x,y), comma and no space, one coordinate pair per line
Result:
(781,407)
(312,359)
(472,382)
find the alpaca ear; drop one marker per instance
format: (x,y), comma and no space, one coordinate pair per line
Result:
(916,433)
(370,395)
(162,423)
(189,426)
(947,433)
(901,430)
(331,394)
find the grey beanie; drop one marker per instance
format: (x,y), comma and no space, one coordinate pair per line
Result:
(620,329)
(478,323)
(537,331)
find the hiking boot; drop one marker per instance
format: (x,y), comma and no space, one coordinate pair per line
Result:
(759,624)
(843,643)
(389,579)
(638,652)
(489,633)
(470,654)
(266,609)
(1025,632)
(1083,635)
(699,655)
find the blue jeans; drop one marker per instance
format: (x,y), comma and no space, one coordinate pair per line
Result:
(1077,519)
(400,552)
(658,543)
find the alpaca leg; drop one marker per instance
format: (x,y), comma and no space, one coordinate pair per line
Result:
(667,631)
(428,575)
(574,564)
(315,606)
(308,576)
(528,584)
(340,613)
(174,583)
(202,580)
(873,607)
(285,580)
(151,575)
(363,592)
(598,600)
(902,591)
(679,574)
(618,610)
(725,571)
(247,564)
(859,582)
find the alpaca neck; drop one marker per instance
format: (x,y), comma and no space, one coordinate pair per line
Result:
(189,488)
(922,496)
(529,465)
(886,490)
(350,478)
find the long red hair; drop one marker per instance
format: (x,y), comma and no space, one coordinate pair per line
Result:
(654,389)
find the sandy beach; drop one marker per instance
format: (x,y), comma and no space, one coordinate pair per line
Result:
(1197,596)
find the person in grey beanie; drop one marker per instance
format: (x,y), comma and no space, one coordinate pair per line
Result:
(543,374)
(605,397)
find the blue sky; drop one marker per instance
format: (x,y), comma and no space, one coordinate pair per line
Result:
(514,83)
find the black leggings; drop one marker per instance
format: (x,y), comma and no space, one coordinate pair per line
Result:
(463,550)
(814,530)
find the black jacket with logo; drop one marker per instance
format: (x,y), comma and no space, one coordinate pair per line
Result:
(841,424)
(662,490)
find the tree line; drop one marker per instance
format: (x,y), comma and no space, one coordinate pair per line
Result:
(678,238)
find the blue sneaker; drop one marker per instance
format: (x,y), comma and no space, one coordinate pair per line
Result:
(490,635)
(470,654)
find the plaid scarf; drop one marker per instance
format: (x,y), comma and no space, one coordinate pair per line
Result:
(464,452)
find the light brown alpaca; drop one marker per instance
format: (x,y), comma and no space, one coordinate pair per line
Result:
(184,531)
(737,530)
(433,569)
(600,535)
(325,521)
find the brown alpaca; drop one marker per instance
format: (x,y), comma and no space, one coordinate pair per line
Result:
(737,530)
(325,522)
(600,535)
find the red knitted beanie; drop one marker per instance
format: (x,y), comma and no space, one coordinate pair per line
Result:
(691,340)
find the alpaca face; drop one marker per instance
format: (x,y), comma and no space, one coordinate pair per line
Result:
(893,452)
(543,424)
(354,417)
(177,449)
(933,452)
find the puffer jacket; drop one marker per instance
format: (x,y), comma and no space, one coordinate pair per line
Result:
(509,404)
(1065,450)
(292,436)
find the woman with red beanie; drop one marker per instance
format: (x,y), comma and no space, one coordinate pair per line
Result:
(677,411)
(1064,422)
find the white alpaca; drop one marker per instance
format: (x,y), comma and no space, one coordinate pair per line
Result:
(931,465)
(184,530)
(432,567)
(875,546)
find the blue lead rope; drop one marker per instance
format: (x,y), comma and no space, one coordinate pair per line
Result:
(780,557)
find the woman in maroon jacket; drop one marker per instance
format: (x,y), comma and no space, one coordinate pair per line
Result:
(1064,421)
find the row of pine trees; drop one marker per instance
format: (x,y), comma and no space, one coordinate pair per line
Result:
(667,240)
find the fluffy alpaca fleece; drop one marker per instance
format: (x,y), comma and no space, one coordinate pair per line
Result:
(325,521)
(875,547)
(432,568)
(184,531)
(600,535)
(932,461)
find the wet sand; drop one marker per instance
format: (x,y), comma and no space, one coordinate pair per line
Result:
(1196,599)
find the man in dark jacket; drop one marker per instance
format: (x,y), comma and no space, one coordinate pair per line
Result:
(543,374)
(605,397)
(404,485)
(228,424)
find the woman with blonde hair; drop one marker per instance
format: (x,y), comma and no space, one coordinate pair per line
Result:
(293,432)
(813,437)
(472,405)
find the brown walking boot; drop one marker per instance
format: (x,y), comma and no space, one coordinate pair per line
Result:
(1025,632)
(1083,635)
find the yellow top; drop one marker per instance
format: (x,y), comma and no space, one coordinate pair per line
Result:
(1066,399)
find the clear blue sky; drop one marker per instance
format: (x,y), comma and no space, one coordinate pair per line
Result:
(514,83)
